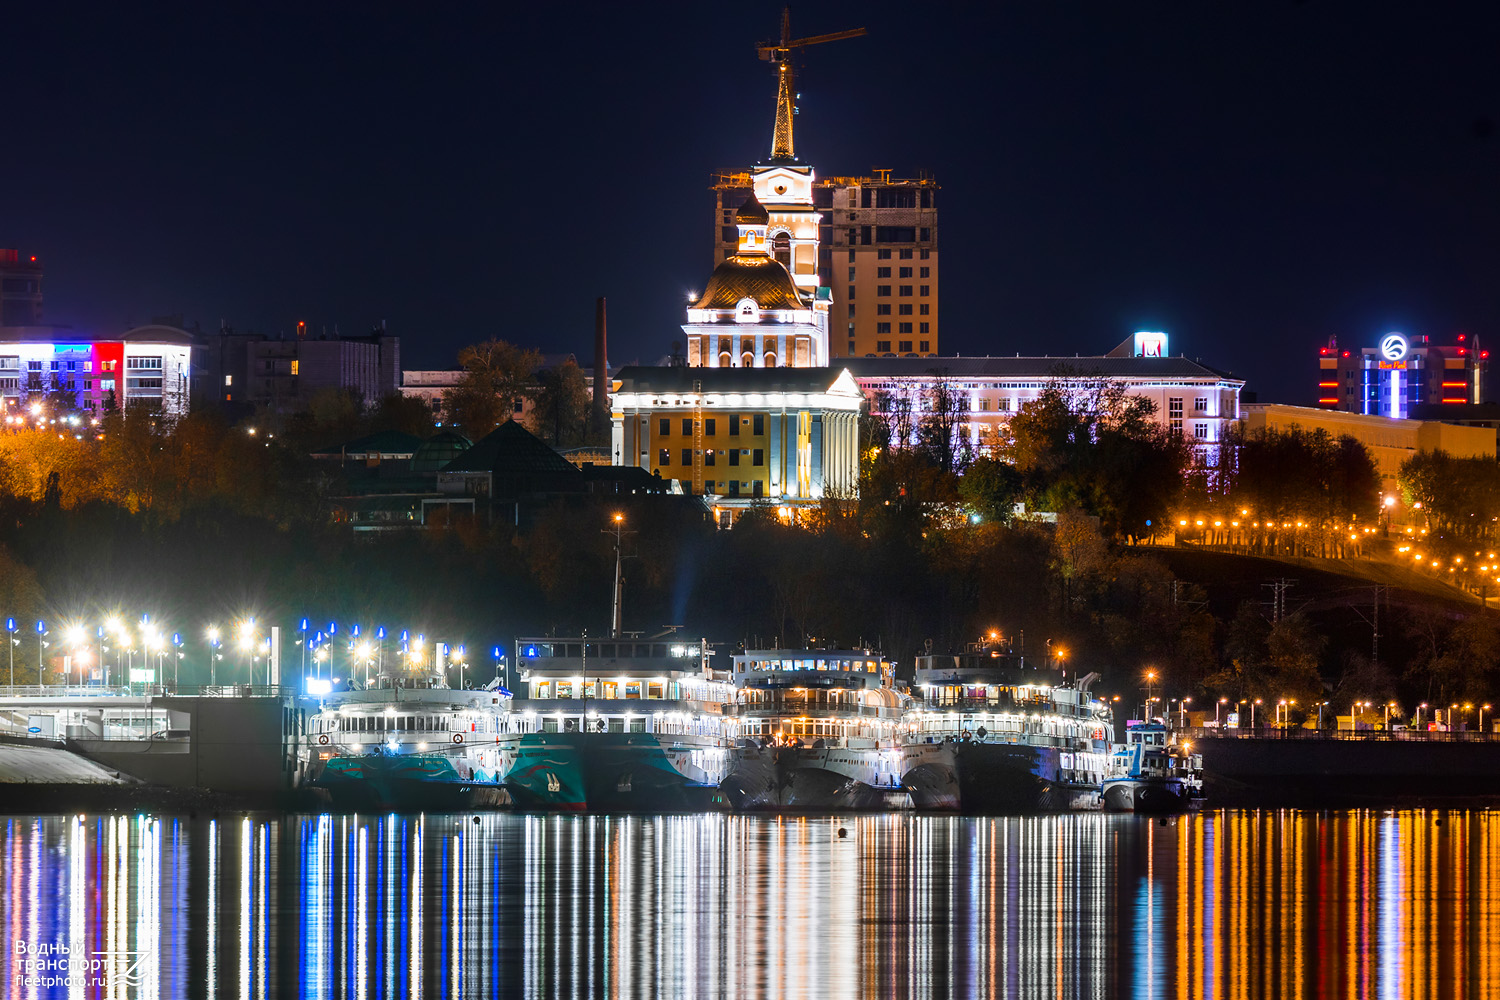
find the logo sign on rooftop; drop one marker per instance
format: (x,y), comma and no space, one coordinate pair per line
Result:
(1150,344)
(1393,347)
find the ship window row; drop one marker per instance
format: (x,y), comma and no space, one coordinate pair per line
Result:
(869,666)
(609,650)
(813,728)
(393,723)
(654,690)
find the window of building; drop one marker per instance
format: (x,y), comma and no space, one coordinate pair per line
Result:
(905,290)
(882,328)
(664,426)
(905,309)
(926,273)
(152,363)
(229,380)
(922,328)
(1174,406)
(883,290)
(864,235)
(906,272)
(54,366)
(520,405)
(709,423)
(734,456)
(926,290)
(984,404)
(906,255)
(926,254)
(759,426)
(687,456)
(882,254)
(33,366)
(904,328)
(922,345)
(883,346)
(1200,431)
(925,236)
(851,240)
(687,427)
(1200,404)
(903,346)
(883,309)
(664,457)
(758,457)
(88,385)
(708,457)
(851,292)
(882,272)
(851,274)
(851,310)
(1003,404)
(734,425)
(924,309)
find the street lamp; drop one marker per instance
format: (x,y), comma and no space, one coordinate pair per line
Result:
(247,646)
(41,630)
(1420,708)
(1221,702)
(1482,709)
(213,654)
(1252,713)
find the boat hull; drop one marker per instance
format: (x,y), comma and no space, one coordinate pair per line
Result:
(993,779)
(381,783)
(788,779)
(609,772)
(1147,796)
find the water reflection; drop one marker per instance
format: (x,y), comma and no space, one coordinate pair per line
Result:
(1363,904)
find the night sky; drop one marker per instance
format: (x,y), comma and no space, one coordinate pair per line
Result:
(1250,178)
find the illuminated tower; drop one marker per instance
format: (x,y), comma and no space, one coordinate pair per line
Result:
(752,314)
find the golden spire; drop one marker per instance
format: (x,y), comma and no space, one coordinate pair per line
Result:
(781,142)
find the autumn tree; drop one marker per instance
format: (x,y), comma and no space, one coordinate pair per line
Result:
(496,376)
(562,405)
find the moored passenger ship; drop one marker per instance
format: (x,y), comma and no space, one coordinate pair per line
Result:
(818,731)
(409,741)
(991,733)
(618,724)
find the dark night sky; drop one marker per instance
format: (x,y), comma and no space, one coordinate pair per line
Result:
(1248,177)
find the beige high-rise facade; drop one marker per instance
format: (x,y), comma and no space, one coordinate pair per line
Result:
(877,253)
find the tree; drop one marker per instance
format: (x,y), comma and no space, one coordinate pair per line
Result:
(562,405)
(496,376)
(397,412)
(990,489)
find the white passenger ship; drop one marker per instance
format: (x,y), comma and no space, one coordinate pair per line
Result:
(991,733)
(819,730)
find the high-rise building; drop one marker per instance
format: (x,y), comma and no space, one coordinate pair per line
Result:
(1387,380)
(877,252)
(282,374)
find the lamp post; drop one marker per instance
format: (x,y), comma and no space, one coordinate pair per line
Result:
(213,649)
(1252,713)
(1182,712)
(10,648)
(1218,705)
(41,630)
(1482,709)
(302,628)
(1420,709)
(1320,715)
(177,652)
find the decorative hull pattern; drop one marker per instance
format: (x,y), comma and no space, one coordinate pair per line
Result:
(407,783)
(612,772)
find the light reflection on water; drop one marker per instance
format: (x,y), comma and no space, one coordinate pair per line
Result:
(1228,904)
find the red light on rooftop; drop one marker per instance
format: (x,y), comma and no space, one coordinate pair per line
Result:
(1323,350)
(1484,354)
(1346,354)
(33,260)
(1461,336)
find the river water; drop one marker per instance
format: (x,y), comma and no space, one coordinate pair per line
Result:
(1225,904)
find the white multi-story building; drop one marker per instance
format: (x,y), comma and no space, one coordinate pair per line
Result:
(1190,397)
(149,364)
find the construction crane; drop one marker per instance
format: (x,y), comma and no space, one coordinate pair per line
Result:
(786,98)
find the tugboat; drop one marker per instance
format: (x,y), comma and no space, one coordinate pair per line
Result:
(818,732)
(991,734)
(618,724)
(1149,774)
(409,742)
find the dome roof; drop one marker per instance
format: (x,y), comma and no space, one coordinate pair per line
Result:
(763,279)
(752,213)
